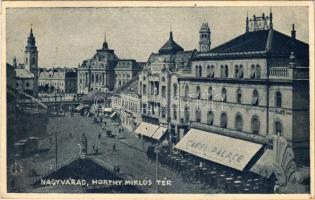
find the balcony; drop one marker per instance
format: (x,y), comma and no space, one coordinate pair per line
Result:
(289,73)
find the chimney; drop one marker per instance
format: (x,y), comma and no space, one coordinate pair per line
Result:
(293,33)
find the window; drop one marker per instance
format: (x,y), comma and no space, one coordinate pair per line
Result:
(255,71)
(186,114)
(198,92)
(163,112)
(278,128)
(186,91)
(26,61)
(223,120)
(210,118)
(198,71)
(255,100)
(255,124)
(140,86)
(163,79)
(223,94)
(144,108)
(174,112)
(144,89)
(239,95)
(175,90)
(163,91)
(92,78)
(238,122)
(278,99)
(198,115)
(96,78)
(226,71)
(210,93)
(238,71)
(27,84)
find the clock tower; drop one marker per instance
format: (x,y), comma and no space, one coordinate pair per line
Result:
(205,38)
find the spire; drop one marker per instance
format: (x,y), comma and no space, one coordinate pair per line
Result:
(105,45)
(247,23)
(270,16)
(171,35)
(293,33)
(14,62)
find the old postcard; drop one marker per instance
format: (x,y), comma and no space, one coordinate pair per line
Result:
(176,99)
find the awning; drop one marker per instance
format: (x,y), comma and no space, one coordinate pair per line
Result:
(231,152)
(146,129)
(159,133)
(81,106)
(264,165)
(107,109)
(113,114)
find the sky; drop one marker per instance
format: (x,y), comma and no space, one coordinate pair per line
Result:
(67,36)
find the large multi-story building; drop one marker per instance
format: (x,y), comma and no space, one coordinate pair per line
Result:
(105,71)
(158,85)
(61,80)
(252,86)
(27,72)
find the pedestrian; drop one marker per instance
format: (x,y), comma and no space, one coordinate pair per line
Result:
(93,147)
(117,169)
(114,147)
(99,136)
(70,135)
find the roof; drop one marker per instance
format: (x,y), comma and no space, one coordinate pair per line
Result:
(132,88)
(23,73)
(170,46)
(259,43)
(94,95)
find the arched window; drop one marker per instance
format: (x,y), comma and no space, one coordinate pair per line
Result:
(239,95)
(226,71)
(175,90)
(223,94)
(96,78)
(278,99)
(238,122)
(198,92)
(223,120)
(210,93)
(186,114)
(198,115)
(92,78)
(255,124)
(255,98)
(200,71)
(186,91)
(278,128)
(210,118)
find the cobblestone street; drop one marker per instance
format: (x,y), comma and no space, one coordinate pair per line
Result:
(130,156)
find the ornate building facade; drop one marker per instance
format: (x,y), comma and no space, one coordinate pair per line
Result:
(252,87)
(105,71)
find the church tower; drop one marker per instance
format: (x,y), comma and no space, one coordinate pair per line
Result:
(205,38)
(31,54)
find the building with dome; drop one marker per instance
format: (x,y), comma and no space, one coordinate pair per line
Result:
(159,88)
(105,71)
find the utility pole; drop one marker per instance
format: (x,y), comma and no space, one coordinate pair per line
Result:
(157,166)
(56,148)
